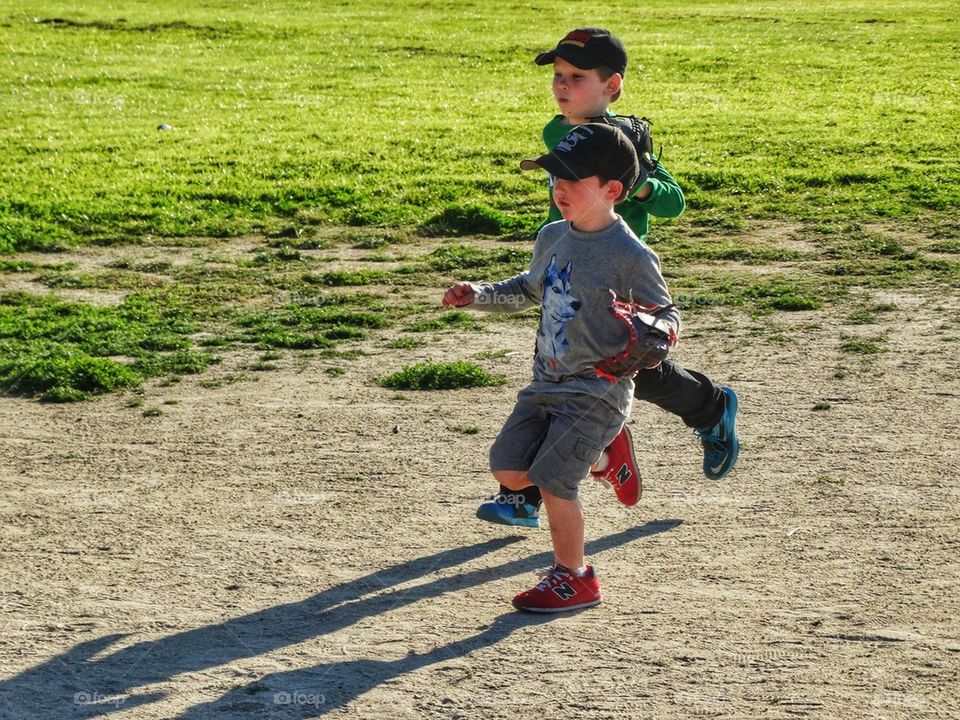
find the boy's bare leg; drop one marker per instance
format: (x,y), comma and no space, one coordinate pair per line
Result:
(566,519)
(566,530)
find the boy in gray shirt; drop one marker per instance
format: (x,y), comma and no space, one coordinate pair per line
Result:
(568,413)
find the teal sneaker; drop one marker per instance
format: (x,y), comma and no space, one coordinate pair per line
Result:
(506,509)
(720,444)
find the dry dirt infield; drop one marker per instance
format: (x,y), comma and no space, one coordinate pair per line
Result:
(303,545)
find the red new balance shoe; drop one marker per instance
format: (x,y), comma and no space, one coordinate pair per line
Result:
(621,471)
(561,590)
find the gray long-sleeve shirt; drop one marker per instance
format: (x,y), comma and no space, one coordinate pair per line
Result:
(570,276)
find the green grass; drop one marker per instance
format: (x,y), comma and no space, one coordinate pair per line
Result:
(61,350)
(472,263)
(455,318)
(324,126)
(441,376)
(301,327)
(863,345)
(294,115)
(406,343)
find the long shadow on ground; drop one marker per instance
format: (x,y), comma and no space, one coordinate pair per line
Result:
(84,683)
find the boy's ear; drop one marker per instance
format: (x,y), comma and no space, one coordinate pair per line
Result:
(614,189)
(614,84)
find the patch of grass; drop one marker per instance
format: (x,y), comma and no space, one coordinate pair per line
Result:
(29,266)
(724,249)
(465,261)
(441,376)
(793,303)
(861,317)
(335,371)
(183,362)
(60,394)
(466,429)
(141,266)
(302,327)
(285,254)
(821,405)
(406,343)
(474,219)
(868,315)
(54,371)
(351,354)
(261,366)
(780,296)
(228,379)
(452,319)
(290,339)
(101,280)
(339,278)
(493,354)
(49,343)
(864,346)
(945,246)
(375,241)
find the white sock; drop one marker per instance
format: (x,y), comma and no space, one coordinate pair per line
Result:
(601,464)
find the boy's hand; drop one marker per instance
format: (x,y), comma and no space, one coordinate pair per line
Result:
(463,293)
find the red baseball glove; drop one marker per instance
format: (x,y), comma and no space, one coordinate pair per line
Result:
(649,340)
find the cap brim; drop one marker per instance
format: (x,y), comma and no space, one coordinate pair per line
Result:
(545,58)
(573,55)
(553,165)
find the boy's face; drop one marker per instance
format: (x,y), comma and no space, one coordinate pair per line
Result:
(581,94)
(583,201)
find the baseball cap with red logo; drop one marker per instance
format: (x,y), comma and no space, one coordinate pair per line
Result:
(588,48)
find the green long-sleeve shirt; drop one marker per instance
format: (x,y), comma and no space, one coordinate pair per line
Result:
(665,200)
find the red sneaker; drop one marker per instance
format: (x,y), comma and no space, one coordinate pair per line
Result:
(622,472)
(561,590)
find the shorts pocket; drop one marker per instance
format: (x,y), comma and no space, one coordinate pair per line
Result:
(586,451)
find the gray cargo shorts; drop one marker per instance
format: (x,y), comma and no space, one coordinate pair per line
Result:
(555,437)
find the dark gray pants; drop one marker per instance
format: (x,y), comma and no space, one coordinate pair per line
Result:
(685,393)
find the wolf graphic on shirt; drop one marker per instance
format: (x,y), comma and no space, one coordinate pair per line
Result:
(557,309)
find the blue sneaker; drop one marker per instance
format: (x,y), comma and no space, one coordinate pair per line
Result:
(720,444)
(507,510)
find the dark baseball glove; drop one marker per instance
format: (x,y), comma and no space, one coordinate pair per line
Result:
(649,339)
(638,130)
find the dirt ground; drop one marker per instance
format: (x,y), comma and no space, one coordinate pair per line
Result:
(300,544)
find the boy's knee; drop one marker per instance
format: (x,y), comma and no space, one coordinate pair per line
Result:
(512,479)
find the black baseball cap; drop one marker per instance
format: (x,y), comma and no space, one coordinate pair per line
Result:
(591,149)
(588,48)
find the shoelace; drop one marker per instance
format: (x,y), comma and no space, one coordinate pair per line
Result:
(602,481)
(711,438)
(550,576)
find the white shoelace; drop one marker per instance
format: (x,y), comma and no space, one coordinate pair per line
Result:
(549,575)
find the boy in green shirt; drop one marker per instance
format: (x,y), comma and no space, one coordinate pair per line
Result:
(589,65)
